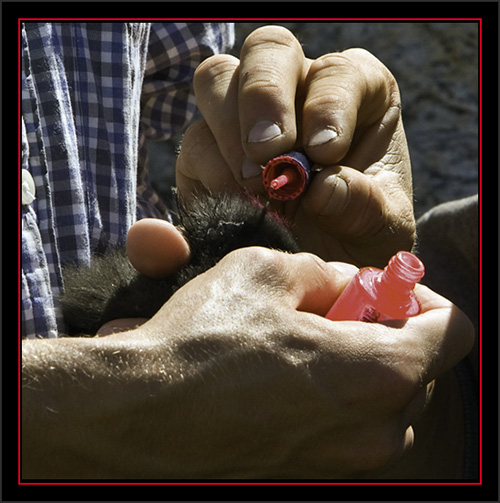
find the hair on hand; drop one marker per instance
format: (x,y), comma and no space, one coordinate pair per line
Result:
(214,225)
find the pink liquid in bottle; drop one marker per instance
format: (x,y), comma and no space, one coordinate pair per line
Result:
(377,295)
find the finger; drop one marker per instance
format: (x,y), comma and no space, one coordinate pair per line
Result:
(301,281)
(382,149)
(357,208)
(272,67)
(312,284)
(200,165)
(156,248)
(346,93)
(443,333)
(216,90)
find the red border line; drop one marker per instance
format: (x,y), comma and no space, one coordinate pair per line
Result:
(479,20)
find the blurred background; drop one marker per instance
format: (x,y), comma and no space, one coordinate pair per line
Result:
(437,68)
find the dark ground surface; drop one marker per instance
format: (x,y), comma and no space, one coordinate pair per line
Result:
(436,66)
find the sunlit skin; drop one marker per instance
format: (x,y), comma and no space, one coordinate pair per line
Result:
(186,394)
(156,248)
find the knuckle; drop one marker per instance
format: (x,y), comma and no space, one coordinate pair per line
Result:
(336,78)
(327,61)
(357,70)
(369,66)
(196,139)
(196,129)
(324,67)
(312,263)
(259,264)
(266,36)
(269,54)
(360,57)
(212,69)
(269,82)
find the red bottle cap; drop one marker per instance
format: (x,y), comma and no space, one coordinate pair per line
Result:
(287,176)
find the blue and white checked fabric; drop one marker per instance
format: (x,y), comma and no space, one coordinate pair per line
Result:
(91,94)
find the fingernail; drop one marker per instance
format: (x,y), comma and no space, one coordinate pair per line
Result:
(339,195)
(322,136)
(264,131)
(249,168)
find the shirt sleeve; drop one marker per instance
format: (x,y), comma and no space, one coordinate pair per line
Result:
(175,50)
(80,92)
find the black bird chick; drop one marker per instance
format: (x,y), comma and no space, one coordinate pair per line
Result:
(213,225)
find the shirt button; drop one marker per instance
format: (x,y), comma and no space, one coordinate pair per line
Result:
(27,187)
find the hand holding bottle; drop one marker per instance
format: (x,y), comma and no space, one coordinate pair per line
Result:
(240,375)
(342,399)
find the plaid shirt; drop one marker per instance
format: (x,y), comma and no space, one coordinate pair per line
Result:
(91,94)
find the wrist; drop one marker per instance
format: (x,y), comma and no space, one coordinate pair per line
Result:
(84,402)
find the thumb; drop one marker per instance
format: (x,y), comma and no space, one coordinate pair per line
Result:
(345,201)
(156,248)
(314,285)
(361,209)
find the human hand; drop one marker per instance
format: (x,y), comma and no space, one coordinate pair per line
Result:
(342,109)
(275,390)
(239,375)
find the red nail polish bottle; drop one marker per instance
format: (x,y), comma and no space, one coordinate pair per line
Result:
(287,176)
(377,295)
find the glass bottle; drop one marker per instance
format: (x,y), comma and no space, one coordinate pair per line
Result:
(376,295)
